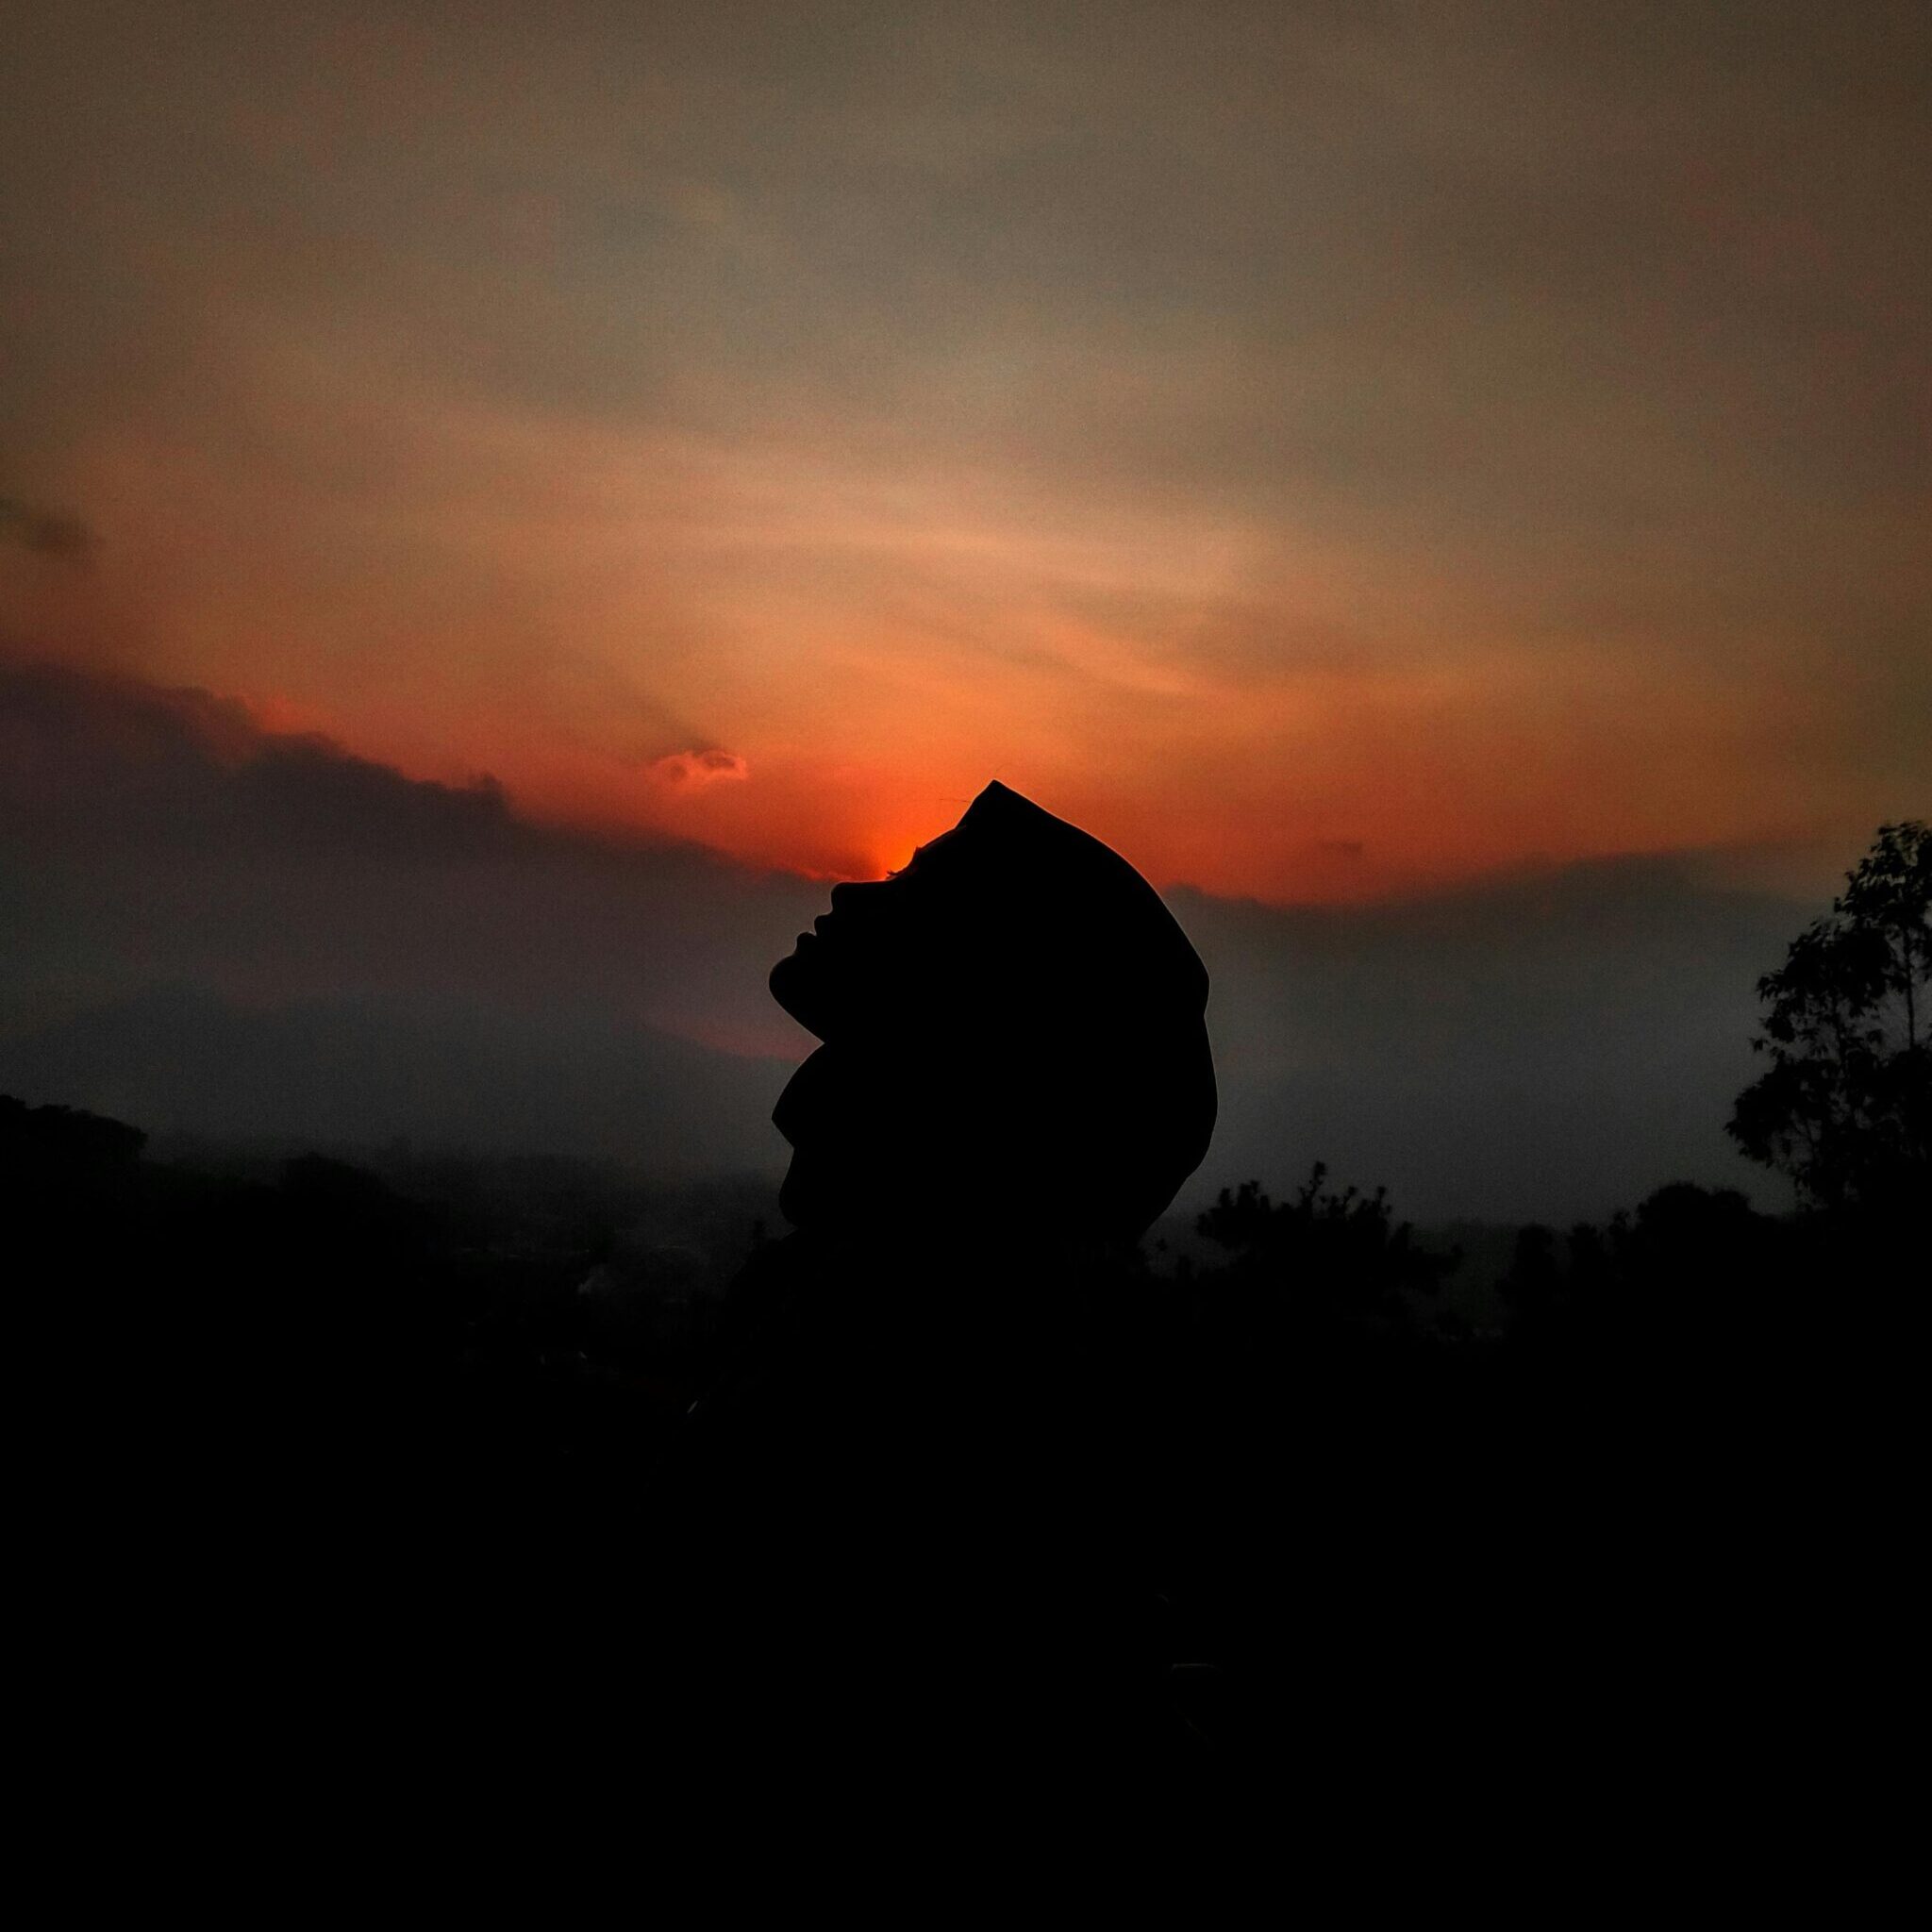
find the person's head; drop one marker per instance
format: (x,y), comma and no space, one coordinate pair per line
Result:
(1015,1034)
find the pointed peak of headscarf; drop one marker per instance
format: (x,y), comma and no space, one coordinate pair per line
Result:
(1093,886)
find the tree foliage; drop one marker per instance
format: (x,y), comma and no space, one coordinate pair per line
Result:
(1345,1249)
(1845,1106)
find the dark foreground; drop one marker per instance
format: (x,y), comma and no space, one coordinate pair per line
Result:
(333,1481)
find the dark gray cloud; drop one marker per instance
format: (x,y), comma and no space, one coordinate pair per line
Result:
(1547,1046)
(214,925)
(219,928)
(168,835)
(49,532)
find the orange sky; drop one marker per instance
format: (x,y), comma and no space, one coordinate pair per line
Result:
(1321,456)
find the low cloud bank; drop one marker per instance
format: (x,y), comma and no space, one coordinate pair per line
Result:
(1548,1047)
(216,928)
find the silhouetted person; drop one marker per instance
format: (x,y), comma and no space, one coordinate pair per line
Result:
(914,1522)
(1014,1039)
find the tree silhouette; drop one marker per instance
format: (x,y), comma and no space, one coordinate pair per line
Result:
(1343,1250)
(1845,1107)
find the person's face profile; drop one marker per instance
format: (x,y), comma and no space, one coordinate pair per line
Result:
(1010,1015)
(887,949)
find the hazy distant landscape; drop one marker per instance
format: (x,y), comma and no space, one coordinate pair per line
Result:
(219,931)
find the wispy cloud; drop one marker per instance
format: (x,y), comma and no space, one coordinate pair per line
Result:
(693,770)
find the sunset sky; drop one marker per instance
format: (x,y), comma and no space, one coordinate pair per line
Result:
(1330,451)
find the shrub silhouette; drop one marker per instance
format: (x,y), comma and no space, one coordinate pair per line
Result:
(1341,1252)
